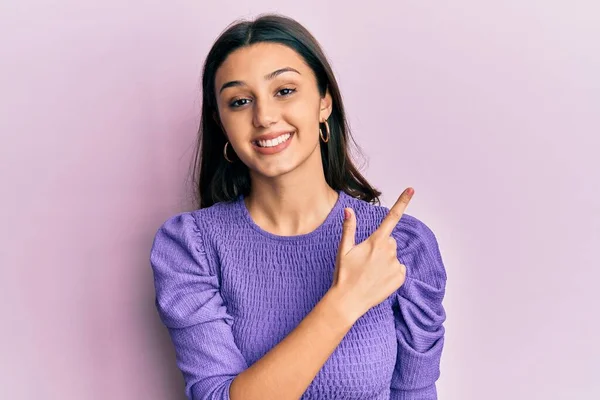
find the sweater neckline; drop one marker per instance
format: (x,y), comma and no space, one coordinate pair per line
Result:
(334,214)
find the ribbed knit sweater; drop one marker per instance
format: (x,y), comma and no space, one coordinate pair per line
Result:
(229,291)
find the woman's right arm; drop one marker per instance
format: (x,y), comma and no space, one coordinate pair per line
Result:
(286,371)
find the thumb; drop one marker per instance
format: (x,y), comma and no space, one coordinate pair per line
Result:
(348,232)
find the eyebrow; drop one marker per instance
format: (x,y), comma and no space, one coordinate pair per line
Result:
(267,77)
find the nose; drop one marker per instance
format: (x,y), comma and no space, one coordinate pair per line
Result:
(265,113)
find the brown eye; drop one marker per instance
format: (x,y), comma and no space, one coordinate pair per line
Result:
(238,103)
(286,91)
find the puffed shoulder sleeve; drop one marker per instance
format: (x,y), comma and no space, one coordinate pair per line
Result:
(189,303)
(418,312)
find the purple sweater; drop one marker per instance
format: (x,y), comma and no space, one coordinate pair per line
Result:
(229,291)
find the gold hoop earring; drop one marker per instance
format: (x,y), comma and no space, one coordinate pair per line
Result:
(225,152)
(328,133)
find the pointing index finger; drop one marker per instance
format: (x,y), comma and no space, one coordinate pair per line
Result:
(393,217)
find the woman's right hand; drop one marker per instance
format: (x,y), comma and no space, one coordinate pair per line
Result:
(366,274)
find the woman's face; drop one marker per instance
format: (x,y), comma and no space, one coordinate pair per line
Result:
(266,89)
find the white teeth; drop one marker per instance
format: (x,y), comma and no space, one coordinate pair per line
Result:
(274,142)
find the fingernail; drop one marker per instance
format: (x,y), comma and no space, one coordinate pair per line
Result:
(346,213)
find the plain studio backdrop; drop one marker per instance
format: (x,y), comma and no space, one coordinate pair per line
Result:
(489,109)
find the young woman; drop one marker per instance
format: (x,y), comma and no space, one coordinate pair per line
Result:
(288,281)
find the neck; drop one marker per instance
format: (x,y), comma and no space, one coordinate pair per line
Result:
(289,207)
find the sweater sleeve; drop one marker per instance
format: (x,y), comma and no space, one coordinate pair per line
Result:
(418,312)
(189,303)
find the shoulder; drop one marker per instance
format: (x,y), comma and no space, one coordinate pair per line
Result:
(193,232)
(179,243)
(199,221)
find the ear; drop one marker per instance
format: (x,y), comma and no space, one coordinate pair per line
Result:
(326,106)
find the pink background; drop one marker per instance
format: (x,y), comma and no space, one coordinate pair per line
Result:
(489,109)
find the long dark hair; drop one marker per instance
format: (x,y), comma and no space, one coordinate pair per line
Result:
(214,178)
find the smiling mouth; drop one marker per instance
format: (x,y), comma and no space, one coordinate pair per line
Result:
(273,142)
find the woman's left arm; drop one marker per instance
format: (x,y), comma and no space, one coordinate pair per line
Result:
(418,312)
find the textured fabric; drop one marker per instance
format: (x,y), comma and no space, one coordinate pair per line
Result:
(229,291)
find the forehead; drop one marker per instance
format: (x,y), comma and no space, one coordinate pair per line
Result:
(255,61)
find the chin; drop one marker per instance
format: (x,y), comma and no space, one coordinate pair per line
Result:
(275,171)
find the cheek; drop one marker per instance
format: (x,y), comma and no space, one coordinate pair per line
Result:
(237,124)
(303,115)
